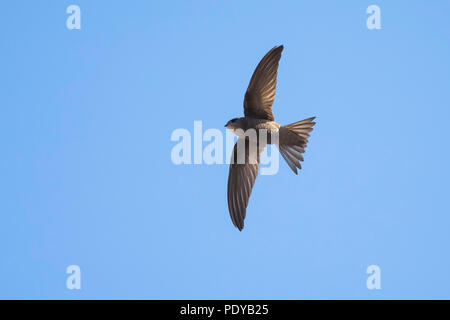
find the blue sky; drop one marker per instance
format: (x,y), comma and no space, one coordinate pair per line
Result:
(87,178)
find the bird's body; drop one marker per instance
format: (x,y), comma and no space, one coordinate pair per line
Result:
(290,139)
(249,123)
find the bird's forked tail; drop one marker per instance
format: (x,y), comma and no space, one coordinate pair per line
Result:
(293,140)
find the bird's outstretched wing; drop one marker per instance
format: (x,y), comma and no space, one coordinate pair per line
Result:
(241,178)
(260,93)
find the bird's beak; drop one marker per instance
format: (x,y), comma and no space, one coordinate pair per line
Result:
(225,125)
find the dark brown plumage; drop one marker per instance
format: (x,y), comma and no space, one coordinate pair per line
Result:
(292,142)
(260,93)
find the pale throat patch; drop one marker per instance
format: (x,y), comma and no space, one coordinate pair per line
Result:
(238,132)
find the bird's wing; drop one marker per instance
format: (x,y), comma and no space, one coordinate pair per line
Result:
(260,93)
(241,178)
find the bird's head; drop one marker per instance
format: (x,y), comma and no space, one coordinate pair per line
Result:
(236,123)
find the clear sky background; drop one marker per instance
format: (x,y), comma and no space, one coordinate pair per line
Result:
(86,176)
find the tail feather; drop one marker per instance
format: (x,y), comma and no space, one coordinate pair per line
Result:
(302,128)
(293,141)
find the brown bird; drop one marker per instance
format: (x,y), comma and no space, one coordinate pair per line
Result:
(290,139)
